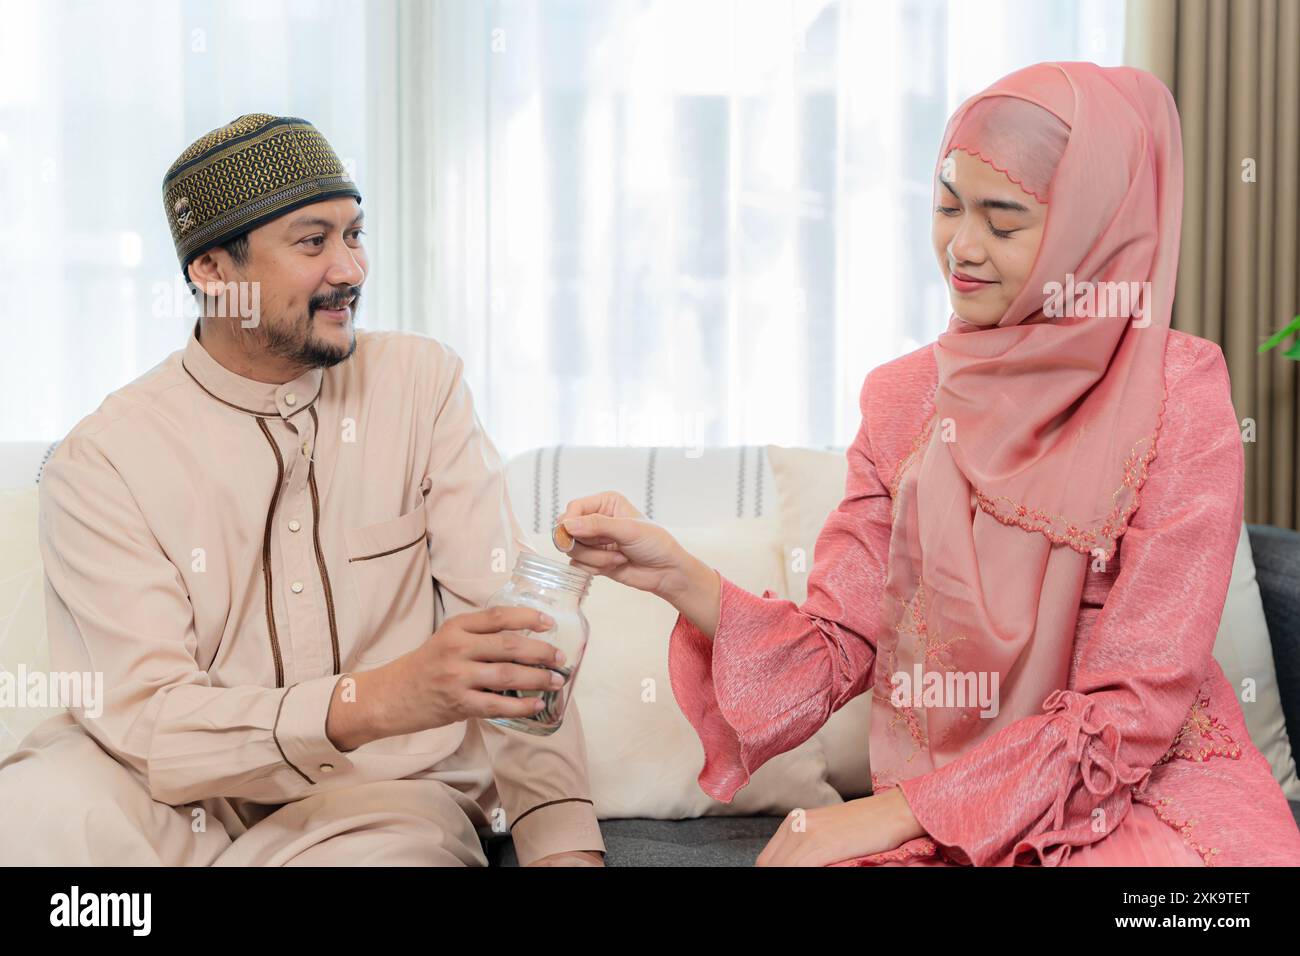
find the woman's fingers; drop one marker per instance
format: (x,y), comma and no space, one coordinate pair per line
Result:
(594,529)
(596,558)
(597,543)
(566,542)
(581,552)
(608,503)
(582,506)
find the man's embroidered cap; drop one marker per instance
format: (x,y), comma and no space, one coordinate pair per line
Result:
(244,174)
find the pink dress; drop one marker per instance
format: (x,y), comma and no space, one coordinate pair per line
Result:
(1033,793)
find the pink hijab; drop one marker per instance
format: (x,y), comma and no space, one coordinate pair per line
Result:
(1027,473)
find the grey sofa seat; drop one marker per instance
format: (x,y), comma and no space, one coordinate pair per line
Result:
(706,841)
(737,841)
(1276,552)
(1277,568)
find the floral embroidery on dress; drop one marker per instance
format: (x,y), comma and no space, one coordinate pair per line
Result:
(905,714)
(896,480)
(1057,528)
(1164,809)
(912,622)
(915,621)
(1202,735)
(1060,530)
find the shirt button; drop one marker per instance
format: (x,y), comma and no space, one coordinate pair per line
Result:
(296,587)
(306,449)
(326,768)
(291,399)
(294,525)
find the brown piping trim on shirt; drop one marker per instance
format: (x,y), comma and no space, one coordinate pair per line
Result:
(251,411)
(276,737)
(315,536)
(266,555)
(367,557)
(549,803)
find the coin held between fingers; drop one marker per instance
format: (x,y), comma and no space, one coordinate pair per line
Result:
(561,538)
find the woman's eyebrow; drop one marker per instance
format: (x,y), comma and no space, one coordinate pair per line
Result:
(1006,204)
(1002,204)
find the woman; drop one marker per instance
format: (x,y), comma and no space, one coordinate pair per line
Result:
(1044,503)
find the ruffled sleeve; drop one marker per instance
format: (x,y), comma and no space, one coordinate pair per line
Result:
(1065,778)
(775,671)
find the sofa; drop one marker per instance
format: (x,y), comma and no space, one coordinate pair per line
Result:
(754,513)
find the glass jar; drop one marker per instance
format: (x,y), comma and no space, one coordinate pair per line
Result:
(555,588)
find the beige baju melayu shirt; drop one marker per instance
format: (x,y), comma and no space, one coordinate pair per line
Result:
(224,549)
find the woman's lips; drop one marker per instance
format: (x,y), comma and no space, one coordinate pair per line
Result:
(967,284)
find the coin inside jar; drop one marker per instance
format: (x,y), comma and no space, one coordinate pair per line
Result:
(561,538)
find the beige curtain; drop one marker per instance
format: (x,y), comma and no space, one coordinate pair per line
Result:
(1234,69)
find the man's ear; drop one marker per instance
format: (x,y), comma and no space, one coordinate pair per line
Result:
(211,270)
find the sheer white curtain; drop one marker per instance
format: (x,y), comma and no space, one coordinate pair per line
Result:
(96,100)
(701,221)
(640,221)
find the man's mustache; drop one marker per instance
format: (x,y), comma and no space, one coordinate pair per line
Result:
(336,301)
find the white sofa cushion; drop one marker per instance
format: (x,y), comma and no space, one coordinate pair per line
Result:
(21,462)
(22,611)
(673,486)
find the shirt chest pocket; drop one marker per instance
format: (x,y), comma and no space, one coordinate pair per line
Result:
(388,567)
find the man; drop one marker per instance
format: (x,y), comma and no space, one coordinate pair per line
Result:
(273,545)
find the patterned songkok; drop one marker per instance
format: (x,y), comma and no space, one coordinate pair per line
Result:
(246,173)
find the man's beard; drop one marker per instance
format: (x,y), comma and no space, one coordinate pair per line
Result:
(298,343)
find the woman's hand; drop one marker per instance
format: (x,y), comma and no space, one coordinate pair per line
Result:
(842,831)
(614,539)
